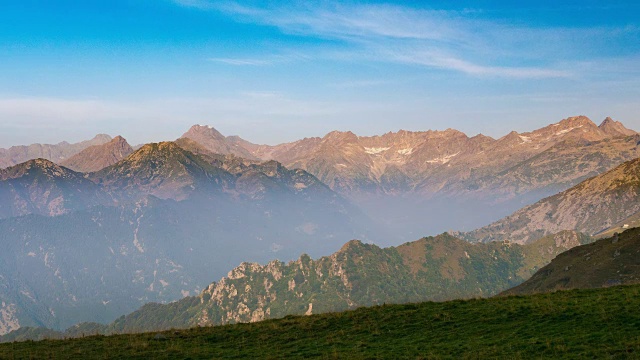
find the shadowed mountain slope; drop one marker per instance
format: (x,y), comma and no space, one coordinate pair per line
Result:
(42,187)
(606,262)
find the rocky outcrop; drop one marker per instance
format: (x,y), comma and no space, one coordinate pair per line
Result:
(435,268)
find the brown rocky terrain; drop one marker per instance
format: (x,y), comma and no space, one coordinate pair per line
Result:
(418,183)
(449,162)
(215,142)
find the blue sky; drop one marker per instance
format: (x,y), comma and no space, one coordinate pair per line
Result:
(275,71)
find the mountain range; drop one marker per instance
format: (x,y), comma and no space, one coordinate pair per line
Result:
(442,161)
(399,178)
(416,183)
(157,223)
(56,153)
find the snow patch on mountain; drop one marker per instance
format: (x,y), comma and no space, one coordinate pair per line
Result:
(566,130)
(443,159)
(375,150)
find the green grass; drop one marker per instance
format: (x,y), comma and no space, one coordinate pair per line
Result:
(600,323)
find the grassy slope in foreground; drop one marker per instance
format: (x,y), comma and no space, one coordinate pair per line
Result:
(571,324)
(606,262)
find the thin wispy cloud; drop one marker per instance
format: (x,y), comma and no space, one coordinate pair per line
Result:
(265,61)
(449,40)
(359,84)
(242,62)
(451,63)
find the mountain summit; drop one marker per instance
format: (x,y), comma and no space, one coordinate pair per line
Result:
(212,140)
(41,187)
(98,157)
(615,128)
(164,170)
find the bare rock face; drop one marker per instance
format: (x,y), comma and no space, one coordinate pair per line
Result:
(212,140)
(98,157)
(56,153)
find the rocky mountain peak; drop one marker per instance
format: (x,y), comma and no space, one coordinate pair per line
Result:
(203,131)
(615,128)
(118,140)
(575,127)
(574,122)
(40,166)
(340,137)
(481,138)
(352,244)
(56,153)
(213,141)
(40,186)
(607,121)
(101,139)
(165,148)
(512,137)
(40,163)
(161,169)
(98,157)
